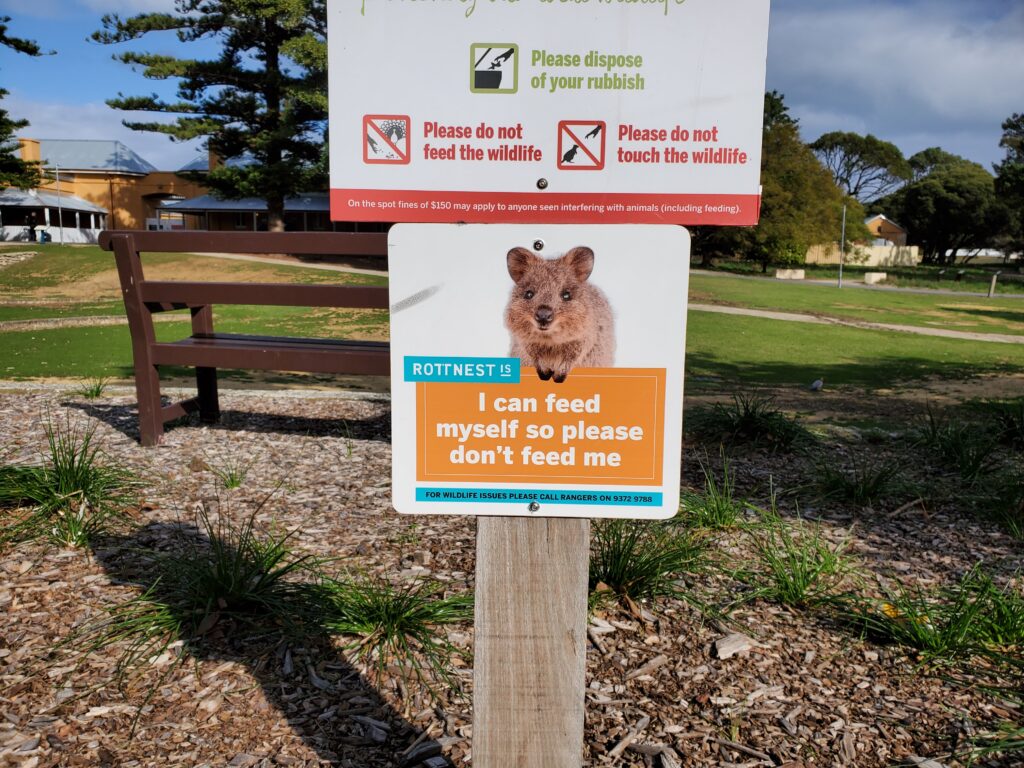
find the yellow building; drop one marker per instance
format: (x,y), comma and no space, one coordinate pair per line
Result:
(110,175)
(885,229)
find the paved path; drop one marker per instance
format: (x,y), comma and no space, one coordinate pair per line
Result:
(89,321)
(1000,338)
(791,317)
(297,263)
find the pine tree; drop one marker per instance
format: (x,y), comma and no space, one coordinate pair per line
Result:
(262,98)
(15,172)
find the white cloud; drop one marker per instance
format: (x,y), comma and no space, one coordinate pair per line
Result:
(50,120)
(938,71)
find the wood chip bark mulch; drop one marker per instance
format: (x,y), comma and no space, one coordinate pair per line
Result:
(798,692)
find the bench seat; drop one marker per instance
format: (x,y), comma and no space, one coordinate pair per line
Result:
(276,353)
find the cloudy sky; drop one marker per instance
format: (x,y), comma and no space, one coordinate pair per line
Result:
(919,73)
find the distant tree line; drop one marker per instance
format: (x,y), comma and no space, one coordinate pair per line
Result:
(946,202)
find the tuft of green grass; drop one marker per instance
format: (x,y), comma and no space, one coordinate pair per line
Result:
(222,579)
(960,446)
(794,563)
(715,508)
(641,561)
(231,472)
(973,616)
(70,497)
(397,626)
(750,419)
(1004,504)
(1007,419)
(93,388)
(862,482)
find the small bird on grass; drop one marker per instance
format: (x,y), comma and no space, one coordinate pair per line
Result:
(817,385)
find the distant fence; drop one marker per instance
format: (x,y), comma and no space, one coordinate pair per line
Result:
(867,256)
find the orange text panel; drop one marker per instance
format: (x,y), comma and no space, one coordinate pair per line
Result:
(602,426)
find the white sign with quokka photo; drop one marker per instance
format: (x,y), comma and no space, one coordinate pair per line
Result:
(553,111)
(537,369)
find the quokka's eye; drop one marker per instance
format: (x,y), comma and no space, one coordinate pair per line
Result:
(566,295)
(528,295)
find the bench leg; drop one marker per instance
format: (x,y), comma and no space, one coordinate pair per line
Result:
(209,404)
(147,390)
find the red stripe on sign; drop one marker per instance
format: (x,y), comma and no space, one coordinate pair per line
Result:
(415,206)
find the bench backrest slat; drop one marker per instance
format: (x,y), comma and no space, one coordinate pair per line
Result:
(314,243)
(269,294)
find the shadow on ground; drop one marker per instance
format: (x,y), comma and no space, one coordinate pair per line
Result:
(326,701)
(125,419)
(994,314)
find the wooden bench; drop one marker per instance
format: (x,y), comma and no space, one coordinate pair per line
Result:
(206,350)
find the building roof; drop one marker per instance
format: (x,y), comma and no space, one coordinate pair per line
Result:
(38,198)
(201,163)
(312,201)
(92,155)
(869,219)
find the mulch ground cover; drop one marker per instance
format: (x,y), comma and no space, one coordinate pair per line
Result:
(803,692)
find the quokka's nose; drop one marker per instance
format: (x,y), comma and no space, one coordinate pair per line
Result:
(544,315)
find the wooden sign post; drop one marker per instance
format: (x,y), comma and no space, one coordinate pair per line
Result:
(531,641)
(533,154)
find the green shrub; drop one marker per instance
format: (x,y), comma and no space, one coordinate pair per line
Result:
(72,496)
(862,482)
(222,576)
(397,625)
(231,472)
(971,617)
(716,507)
(93,388)
(748,420)
(1007,419)
(1003,503)
(968,449)
(794,563)
(643,560)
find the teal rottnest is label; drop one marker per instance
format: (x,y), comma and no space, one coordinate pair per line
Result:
(478,370)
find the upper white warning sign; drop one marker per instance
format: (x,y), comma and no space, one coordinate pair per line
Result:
(540,111)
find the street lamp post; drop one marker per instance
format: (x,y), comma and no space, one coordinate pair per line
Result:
(842,248)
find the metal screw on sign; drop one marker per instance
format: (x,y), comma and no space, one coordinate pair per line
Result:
(538,245)
(534,506)
(542,183)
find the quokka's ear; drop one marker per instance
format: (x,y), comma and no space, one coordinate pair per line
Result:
(581,262)
(519,260)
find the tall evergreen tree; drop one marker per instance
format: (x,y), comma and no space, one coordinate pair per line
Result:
(15,172)
(1010,181)
(262,99)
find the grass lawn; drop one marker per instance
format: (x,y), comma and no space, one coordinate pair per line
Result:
(59,309)
(65,282)
(744,349)
(975,278)
(65,279)
(755,350)
(974,313)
